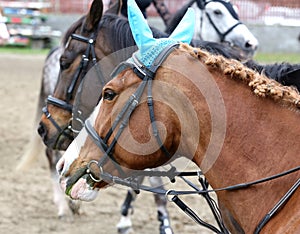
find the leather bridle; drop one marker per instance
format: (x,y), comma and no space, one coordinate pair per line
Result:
(222,35)
(78,77)
(146,75)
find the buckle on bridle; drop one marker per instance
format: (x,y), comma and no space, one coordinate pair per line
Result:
(89,171)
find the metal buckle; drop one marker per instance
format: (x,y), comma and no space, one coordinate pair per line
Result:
(89,171)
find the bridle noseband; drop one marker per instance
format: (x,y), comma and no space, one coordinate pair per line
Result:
(78,77)
(202,4)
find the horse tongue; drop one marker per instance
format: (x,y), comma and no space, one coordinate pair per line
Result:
(81,190)
(72,180)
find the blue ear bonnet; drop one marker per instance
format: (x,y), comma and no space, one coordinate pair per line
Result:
(148,57)
(149,47)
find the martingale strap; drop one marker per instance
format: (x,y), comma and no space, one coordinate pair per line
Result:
(277,207)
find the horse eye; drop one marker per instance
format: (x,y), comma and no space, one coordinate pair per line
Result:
(217,12)
(109,95)
(64,65)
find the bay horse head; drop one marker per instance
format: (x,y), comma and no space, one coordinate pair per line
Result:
(86,42)
(90,44)
(236,125)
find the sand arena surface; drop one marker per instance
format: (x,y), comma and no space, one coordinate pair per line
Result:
(26,200)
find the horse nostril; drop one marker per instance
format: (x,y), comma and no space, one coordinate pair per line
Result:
(42,130)
(250,45)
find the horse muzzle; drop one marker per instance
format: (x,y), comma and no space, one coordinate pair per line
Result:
(78,186)
(79,190)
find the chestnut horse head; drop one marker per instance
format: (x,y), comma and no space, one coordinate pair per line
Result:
(237,126)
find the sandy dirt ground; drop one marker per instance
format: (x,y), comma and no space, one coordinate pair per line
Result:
(26,199)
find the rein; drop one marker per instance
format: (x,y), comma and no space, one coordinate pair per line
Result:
(133,183)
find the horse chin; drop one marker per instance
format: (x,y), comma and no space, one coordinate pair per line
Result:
(80,190)
(246,54)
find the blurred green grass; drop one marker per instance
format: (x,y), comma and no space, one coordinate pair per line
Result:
(277,57)
(22,50)
(265,58)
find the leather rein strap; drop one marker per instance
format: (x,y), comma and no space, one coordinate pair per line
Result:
(172,173)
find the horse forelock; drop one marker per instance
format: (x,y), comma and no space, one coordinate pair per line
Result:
(260,84)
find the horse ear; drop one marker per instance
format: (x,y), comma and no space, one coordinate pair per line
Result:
(114,8)
(141,31)
(201,4)
(185,30)
(94,16)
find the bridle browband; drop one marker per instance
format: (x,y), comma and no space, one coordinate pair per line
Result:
(78,77)
(146,75)
(202,4)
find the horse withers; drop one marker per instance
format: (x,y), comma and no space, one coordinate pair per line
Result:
(236,125)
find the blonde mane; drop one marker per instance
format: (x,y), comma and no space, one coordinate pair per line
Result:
(260,84)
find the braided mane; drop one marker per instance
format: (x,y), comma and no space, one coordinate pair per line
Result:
(260,84)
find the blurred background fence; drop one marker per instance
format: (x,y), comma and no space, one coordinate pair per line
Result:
(269,12)
(275,23)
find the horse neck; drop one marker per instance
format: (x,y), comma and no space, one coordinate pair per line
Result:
(258,139)
(259,142)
